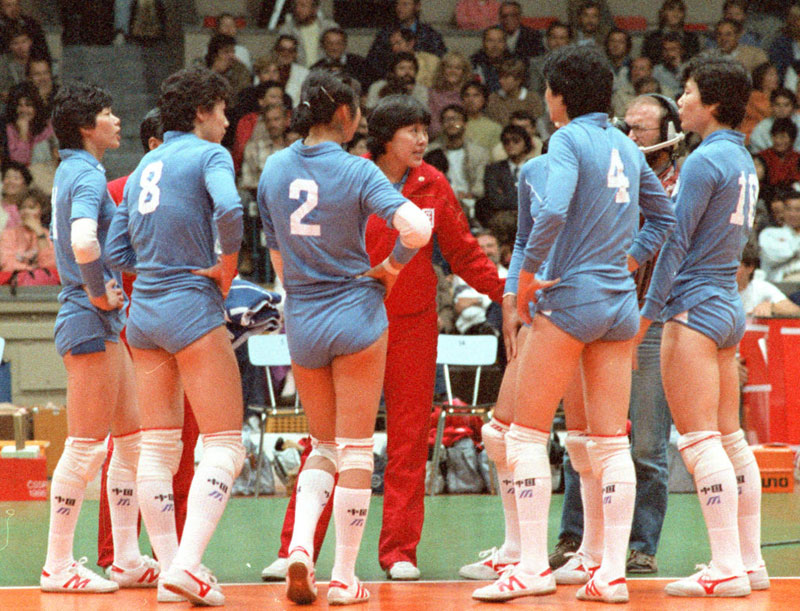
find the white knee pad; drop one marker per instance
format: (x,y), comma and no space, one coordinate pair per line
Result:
(225,451)
(493,434)
(125,457)
(576,443)
(355,453)
(324,449)
(80,461)
(525,445)
(159,454)
(611,459)
(738,451)
(694,445)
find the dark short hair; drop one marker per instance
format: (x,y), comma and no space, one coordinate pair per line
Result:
(38,58)
(582,76)
(558,24)
(759,73)
(734,24)
(323,92)
(186,91)
(721,81)
(783,92)
(628,40)
(457,107)
(26,89)
(784,126)
(150,127)
(262,88)
(403,56)
(390,114)
(406,34)
(516,130)
(477,85)
(77,105)
(339,31)
(10,164)
(490,28)
(216,44)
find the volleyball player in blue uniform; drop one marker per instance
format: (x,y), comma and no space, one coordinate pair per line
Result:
(180,197)
(315,200)
(694,292)
(586,313)
(100,393)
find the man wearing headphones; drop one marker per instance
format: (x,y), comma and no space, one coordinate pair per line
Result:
(652,122)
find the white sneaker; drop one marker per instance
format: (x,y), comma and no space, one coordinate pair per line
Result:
(76,578)
(615,591)
(759,578)
(199,587)
(341,594)
(513,583)
(578,569)
(301,587)
(275,571)
(143,576)
(165,596)
(708,582)
(491,564)
(403,571)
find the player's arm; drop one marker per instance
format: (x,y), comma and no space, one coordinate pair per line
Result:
(659,218)
(119,253)
(276,259)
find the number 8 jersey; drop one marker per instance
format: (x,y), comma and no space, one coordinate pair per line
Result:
(716,199)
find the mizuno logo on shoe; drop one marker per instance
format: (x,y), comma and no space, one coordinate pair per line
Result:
(709,585)
(511,584)
(204,587)
(76,582)
(150,575)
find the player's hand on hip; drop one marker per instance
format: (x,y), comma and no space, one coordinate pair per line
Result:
(526,293)
(382,275)
(112,300)
(222,273)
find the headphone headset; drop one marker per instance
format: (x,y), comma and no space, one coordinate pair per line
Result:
(670,127)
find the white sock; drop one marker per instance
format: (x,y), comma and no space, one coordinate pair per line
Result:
(223,455)
(748,478)
(715,481)
(314,488)
(350,508)
(494,442)
(526,451)
(123,504)
(591,495)
(611,457)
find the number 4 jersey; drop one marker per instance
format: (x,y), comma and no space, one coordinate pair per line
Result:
(715,199)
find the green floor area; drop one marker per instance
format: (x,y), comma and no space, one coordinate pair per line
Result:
(456,528)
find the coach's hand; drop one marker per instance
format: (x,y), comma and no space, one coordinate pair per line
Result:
(112,300)
(222,273)
(511,325)
(526,293)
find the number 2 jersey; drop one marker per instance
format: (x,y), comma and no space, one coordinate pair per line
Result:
(314,203)
(715,199)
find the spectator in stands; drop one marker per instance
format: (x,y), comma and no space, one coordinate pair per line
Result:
(522,41)
(765,81)
(292,74)
(574,8)
(226,24)
(26,253)
(466,160)
(525,120)
(512,95)
(671,19)
(221,58)
(736,10)
(406,13)
(784,105)
(760,297)
(727,35)
(269,136)
(16,180)
(492,54)
(618,51)
(29,133)
(588,28)
(780,246)
(476,14)
(480,129)
(40,73)
(473,309)
(558,34)
(306,25)
(14,62)
(453,73)
(501,178)
(640,68)
(404,40)
(669,71)
(785,49)
(268,93)
(401,79)
(11,17)
(781,162)
(335,57)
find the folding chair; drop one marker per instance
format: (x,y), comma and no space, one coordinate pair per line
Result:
(269,351)
(465,350)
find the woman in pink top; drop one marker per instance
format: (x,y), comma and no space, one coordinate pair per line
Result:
(29,133)
(16,180)
(27,249)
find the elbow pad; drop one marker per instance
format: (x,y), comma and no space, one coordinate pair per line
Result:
(85,246)
(413,224)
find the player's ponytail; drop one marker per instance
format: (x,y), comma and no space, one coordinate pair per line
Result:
(322,93)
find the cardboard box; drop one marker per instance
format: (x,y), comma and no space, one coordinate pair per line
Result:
(776,464)
(24,479)
(50,423)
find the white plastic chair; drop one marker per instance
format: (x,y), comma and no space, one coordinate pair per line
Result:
(464,350)
(269,351)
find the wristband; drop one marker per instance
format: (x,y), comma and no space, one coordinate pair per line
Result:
(92,275)
(390,268)
(403,254)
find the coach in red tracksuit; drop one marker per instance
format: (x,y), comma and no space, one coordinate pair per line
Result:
(398,138)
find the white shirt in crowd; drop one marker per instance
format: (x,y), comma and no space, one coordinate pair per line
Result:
(780,252)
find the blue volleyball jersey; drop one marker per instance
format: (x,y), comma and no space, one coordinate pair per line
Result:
(715,199)
(179,199)
(314,203)
(532,183)
(598,183)
(79,191)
